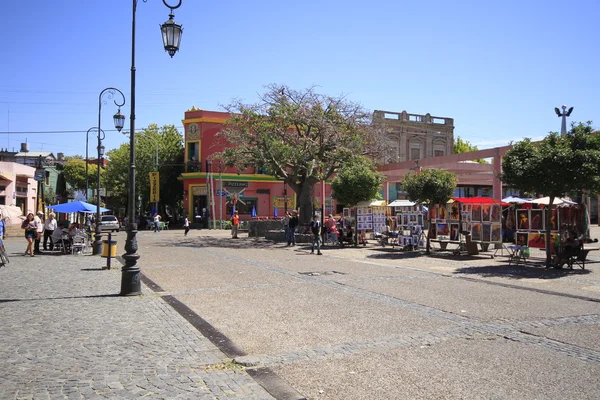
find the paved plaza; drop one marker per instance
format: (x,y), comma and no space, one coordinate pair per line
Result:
(252,319)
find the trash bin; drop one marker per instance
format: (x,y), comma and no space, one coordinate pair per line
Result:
(106,244)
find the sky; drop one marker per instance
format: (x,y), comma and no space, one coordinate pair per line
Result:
(497,68)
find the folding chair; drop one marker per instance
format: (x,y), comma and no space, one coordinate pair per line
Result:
(79,244)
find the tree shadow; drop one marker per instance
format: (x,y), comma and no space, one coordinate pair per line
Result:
(227,243)
(527,271)
(62,298)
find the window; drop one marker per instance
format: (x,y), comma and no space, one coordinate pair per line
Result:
(47,178)
(3,200)
(2,188)
(415,154)
(244,209)
(438,153)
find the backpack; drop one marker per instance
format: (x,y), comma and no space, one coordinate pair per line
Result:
(315,227)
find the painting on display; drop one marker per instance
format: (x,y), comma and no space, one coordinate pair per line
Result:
(454,232)
(536,222)
(522,238)
(442,213)
(476,231)
(486,233)
(454,211)
(476,213)
(554,222)
(496,233)
(405,219)
(496,213)
(420,219)
(346,213)
(523,220)
(486,212)
(554,239)
(537,240)
(443,230)
(412,218)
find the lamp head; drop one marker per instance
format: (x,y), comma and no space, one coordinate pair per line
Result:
(171,34)
(119,120)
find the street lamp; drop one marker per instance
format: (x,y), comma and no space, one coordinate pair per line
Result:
(564,115)
(119,120)
(130,274)
(87,160)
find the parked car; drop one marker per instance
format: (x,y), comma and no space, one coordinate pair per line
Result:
(109,223)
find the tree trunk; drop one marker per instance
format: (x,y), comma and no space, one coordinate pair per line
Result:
(304,192)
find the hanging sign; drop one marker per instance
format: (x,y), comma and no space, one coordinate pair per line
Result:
(154,187)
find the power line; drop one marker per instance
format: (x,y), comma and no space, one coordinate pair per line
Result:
(63,132)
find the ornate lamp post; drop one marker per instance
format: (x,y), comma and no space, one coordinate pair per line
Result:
(130,274)
(119,120)
(87,160)
(564,115)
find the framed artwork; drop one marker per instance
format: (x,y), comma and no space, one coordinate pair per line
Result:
(496,213)
(523,220)
(536,222)
(510,220)
(476,212)
(454,212)
(346,213)
(412,218)
(454,232)
(433,231)
(420,219)
(486,233)
(522,238)
(443,230)
(405,219)
(469,227)
(359,211)
(537,240)
(554,222)
(433,212)
(476,231)
(442,213)
(469,217)
(486,212)
(554,240)
(469,208)
(496,233)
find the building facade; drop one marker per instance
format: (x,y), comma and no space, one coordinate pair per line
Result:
(18,187)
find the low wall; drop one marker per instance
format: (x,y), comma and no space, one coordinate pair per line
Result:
(260,228)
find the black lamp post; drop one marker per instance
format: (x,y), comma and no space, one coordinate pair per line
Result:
(130,274)
(87,160)
(119,120)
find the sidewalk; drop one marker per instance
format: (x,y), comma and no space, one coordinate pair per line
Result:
(66,334)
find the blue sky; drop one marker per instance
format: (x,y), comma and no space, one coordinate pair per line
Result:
(497,68)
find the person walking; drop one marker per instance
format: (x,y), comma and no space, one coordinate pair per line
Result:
(49,227)
(30,233)
(235,222)
(39,223)
(315,228)
(292,225)
(186,226)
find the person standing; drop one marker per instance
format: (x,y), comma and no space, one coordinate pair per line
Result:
(156,222)
(39,229)
(30,233)
(235,222)
(186,225)
(315,228)
(285,221)
(292,225)
(49,227)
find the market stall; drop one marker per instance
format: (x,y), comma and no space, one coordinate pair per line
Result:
(406,226)
(370,219)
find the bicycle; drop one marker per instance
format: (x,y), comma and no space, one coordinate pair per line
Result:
(3,256)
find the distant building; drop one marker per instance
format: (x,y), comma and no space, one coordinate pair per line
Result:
(417,136)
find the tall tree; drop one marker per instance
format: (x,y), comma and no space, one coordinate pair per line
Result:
(74,173)
(554,167)
(463,146)
(169,142)
(356,181)
(431,187)
(300,137)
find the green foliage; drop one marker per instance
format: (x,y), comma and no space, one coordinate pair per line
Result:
(170,166)
(49,195)
(301,137)
(556,166)
(356,181)
(74,174)
(463,146)
(431,187)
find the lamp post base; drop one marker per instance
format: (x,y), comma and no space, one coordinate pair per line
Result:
(97,244)
(130,273)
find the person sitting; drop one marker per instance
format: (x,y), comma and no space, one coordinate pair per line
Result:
(58,238)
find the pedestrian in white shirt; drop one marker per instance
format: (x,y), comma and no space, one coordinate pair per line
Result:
(49,227)
(40,229)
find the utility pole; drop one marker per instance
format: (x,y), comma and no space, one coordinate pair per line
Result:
(156,168)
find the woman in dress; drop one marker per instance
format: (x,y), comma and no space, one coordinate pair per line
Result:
(30,233)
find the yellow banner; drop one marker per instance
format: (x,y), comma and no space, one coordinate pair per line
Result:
(280,202)
(154,187)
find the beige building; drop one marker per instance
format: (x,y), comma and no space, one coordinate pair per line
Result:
(417,136)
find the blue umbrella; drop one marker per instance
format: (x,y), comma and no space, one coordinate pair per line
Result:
(275,213)
(232,210)
(253,212)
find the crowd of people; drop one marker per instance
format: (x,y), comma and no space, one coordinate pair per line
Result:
(40,230)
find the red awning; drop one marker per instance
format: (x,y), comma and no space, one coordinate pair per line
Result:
(479,200)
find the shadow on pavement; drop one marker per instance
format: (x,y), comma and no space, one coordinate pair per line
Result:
(207,241)
(61,298)
(520,272)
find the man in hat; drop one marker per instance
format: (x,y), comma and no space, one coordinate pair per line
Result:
(40,229)
(235,222)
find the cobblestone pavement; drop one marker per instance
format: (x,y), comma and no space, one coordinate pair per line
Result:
(367,322)
(64,333)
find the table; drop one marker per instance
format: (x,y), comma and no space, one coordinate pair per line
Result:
(517,253)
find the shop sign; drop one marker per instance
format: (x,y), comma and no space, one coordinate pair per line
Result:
(235,184)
